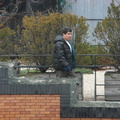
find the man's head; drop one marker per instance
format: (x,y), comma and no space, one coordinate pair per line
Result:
(67,33)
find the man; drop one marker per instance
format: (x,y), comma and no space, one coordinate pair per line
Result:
(63,55)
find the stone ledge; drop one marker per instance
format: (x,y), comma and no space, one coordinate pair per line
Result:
(27,89)
(105,104)
(89,112)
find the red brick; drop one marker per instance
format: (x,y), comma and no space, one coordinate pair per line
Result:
(34,100)
(57,109)
(36,113)
(1,116)
(20,103)
(66,119)
(46,107)
(4,118)
(50,115)
(57,98)
(4,101)
(46,118)
(51,110)
(25,101)
(14,118)
(19,110)
(54,107)
(28,107)
(20,97)
(9,103)
(57,101)
(4,113)
(1,97)
(45,101)
(40,115)
(31,115)
(51,104)
(25,112)
(9,98)
(14,113)
(9,110)
(15,107)
(2,104)
(24,106)
(40,103)
(55,113)
(16,101)
(30,98)
(9,116)
(30,103)
(34,106)
(40,98)
(1,109)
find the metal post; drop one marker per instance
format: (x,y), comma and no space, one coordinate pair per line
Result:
(95,80)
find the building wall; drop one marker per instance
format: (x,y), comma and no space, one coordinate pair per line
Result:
(93,10)
(33,107)
(47,102)
(29,107)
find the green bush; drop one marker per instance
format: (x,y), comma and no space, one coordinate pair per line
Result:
(40,31)
(7,42)
(83,70)
(87,48)
(108,31)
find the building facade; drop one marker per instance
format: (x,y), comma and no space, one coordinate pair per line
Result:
(93,10)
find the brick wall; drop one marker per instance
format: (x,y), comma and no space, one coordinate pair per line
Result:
(29,107)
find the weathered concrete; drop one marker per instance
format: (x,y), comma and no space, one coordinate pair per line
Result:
(96,104)
(47,81)
(76,90)
(45,78)
(11,69)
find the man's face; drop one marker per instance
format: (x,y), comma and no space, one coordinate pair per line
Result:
(67,36)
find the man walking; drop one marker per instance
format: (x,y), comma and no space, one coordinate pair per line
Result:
(63,56)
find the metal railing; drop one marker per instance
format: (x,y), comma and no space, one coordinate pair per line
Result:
(93,65)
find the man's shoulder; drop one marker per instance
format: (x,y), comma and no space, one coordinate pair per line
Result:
(59,38)
(59,42)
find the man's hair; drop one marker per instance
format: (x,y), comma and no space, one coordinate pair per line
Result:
(65,30)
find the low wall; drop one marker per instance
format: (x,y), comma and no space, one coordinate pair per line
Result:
(49,102)
(48,99)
